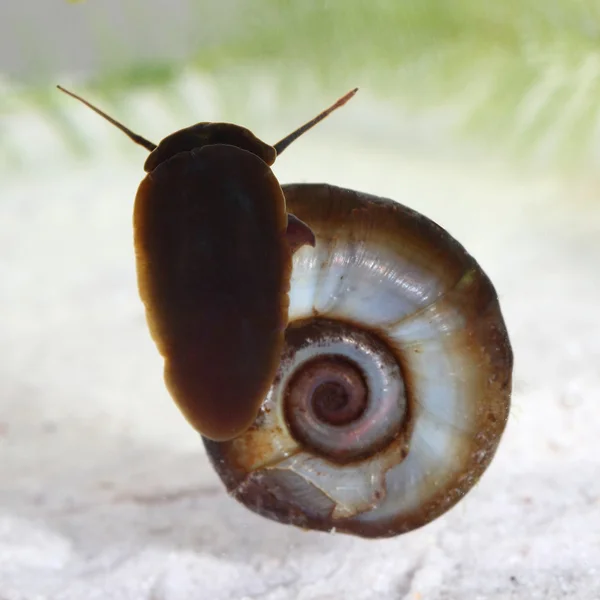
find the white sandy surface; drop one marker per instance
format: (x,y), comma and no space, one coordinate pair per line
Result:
(106,493)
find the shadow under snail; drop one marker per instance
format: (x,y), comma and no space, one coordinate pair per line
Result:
(391,384)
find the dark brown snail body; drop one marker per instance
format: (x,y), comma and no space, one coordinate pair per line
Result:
(213,267)
(214,245)
(394,385)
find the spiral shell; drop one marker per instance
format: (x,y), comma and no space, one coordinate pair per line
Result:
(394,385)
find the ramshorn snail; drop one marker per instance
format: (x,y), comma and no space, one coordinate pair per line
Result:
(384,399)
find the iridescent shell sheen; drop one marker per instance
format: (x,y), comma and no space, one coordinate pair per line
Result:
(387,301)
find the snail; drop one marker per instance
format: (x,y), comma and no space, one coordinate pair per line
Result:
(393,388)
(389,372)
(214,245)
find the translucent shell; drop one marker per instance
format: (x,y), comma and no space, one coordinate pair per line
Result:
(394,386)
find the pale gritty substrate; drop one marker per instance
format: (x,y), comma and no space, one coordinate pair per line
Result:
(105,492)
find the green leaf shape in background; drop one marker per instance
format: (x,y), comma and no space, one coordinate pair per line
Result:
(525,74)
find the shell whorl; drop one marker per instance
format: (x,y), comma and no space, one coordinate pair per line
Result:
(394,386)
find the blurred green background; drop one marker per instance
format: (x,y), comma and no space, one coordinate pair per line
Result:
(516,79)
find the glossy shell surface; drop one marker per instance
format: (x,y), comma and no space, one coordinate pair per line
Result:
(389,304)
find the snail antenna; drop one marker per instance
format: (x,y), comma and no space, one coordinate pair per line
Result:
(287,140)
(134,137)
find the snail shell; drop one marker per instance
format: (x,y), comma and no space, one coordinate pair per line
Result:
(393,389)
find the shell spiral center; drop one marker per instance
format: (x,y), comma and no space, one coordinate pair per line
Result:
(342,389)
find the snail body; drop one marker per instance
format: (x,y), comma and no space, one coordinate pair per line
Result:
(394,384)
(213,245)
(213,265)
